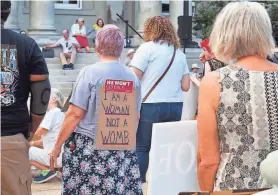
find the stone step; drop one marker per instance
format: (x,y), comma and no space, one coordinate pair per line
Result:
(80,59)
(62,85)
(70,73)
(55,64)
(59,66)
(58,50)
(66,91)
(62,78)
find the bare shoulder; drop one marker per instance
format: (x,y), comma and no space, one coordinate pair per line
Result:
(210,79)
(209,91)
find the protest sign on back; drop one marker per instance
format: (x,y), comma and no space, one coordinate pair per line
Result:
(117,116)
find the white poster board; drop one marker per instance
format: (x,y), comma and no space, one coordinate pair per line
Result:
(190,102)
(173,158)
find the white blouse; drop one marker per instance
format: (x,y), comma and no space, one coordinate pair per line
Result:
(76,30)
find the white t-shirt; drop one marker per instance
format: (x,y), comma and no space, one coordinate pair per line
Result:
(76,30)
(67,44)
(52,122)
(153,59)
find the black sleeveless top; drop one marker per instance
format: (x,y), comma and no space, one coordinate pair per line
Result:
(215,64)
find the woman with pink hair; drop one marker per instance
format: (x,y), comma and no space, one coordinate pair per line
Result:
(87,170)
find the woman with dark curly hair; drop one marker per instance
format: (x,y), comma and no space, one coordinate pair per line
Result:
(164,74)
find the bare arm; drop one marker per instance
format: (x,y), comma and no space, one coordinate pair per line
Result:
(138,72)
(37,143)
(50,46)
(208,137)
(40,131)
(38,134)
(185,82)
(76,45)
(73,117)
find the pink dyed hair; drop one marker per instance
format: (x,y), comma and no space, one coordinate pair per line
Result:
(109,41)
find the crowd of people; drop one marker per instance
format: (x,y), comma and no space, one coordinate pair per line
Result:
(237,106)
(74,40)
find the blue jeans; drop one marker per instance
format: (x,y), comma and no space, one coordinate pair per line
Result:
(150,114)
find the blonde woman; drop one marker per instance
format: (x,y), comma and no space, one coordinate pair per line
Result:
(238,105)
(164,103)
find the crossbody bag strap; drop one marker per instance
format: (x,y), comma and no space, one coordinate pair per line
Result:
(161,77)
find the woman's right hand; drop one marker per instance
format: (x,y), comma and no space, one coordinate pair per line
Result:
(53,157)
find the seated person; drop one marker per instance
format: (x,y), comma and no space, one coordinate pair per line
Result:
(99,25)
(96,27)
(47,133)
(80,33)
(69,45)
(194,75)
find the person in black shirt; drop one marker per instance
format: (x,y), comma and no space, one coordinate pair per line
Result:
(23,71)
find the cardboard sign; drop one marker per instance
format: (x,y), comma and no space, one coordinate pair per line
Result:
(173,156)
(117,116)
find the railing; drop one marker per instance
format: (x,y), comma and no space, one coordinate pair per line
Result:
(127,25)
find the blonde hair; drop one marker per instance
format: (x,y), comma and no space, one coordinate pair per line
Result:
(160,29)
(242,29)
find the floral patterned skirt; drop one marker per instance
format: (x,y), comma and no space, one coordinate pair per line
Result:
(87,171)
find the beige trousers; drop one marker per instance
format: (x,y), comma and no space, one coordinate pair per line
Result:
(65,56)
(16,175)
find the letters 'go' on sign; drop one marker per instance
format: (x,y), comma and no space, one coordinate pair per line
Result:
(117,119)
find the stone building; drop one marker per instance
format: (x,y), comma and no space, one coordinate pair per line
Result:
(44,20)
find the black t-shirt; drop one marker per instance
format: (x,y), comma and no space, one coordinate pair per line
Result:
(20,57)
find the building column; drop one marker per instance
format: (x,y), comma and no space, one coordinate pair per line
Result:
(42,22)
(146,9)
(101,9)
(12,22)
(175,10)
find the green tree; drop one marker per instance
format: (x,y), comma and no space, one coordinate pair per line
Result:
(206,12)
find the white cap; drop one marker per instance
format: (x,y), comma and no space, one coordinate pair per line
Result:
(130,51)
(195,66)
